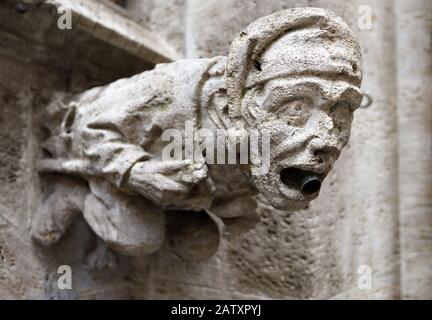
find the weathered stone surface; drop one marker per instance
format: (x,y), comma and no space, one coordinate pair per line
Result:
(37,59)
(414,56)
(211,23)
(294,74)
(165,18)
(376,196)
(354,223)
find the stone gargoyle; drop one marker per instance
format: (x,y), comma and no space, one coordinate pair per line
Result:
(294,73)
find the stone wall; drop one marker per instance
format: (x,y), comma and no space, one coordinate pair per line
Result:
(375,207)
(313,253)
(414,44)
(316,253)
(37,60)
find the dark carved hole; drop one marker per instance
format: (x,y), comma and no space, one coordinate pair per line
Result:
(46,153)
(69,119)
(21,8)
(311,187)
(308,182)
(121,3)
(257,65)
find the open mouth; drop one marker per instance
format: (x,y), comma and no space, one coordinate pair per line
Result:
(307,182)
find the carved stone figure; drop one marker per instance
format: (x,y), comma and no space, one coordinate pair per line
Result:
(295,73)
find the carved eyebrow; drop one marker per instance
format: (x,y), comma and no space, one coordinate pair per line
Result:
(330,75)
(310,83)
(292,90)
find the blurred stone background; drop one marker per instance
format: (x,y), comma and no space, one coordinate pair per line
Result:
(375,208)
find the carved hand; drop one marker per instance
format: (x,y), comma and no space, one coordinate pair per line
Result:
(167,183)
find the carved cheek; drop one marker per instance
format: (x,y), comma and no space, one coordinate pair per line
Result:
(342,129)
(279,129)
(343,137)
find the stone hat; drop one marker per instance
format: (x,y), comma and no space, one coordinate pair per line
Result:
(300,41)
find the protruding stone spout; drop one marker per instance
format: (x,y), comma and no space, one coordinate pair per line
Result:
(308,182)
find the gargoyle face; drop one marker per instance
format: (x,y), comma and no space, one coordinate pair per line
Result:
(296,74)
(309,120)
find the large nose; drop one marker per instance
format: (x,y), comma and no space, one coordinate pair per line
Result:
(324,148)
(325,143)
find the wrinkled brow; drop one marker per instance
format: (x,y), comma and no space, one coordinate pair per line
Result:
(293,88)
(288,87)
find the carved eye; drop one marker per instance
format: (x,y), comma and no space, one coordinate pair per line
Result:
(295,112)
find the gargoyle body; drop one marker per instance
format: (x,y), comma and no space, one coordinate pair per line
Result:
(295,74)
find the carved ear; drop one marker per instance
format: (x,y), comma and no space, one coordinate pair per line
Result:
(214,99)
(217,108)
